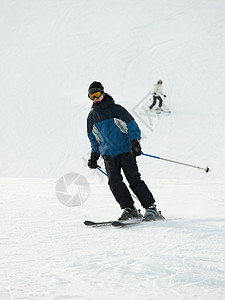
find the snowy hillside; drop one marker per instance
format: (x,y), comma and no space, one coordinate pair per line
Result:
(50,52)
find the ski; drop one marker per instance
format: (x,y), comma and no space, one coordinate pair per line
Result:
(126,223)
(135,222)
(164,110)
(95,224)
(158,111)
(114,223)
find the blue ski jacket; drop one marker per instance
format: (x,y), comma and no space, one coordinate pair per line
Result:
(111,128)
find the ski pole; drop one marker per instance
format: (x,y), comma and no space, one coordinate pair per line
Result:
(102,171)
(177,162)
(107,176)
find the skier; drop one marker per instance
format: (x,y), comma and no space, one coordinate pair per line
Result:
(114,134)
(157,91)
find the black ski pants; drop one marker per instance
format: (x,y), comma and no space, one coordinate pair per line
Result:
(154,101)
(128,164)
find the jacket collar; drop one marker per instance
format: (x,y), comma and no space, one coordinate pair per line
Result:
(105,103)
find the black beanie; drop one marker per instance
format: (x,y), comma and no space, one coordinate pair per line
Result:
(95,87)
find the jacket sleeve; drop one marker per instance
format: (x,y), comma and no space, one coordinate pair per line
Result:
(93,135)
(132,128)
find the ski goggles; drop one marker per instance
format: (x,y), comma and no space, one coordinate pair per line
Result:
(95,95)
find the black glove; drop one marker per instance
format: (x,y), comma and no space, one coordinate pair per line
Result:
(92,162)
(135,148)
(164,96)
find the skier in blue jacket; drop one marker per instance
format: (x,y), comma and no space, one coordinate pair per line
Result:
(114,134)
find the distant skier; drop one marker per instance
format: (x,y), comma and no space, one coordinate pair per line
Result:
(114,134)
(157,91)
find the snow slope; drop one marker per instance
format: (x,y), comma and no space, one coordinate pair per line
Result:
(46,252)
(50,52)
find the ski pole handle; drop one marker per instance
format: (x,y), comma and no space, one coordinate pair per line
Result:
(177,162)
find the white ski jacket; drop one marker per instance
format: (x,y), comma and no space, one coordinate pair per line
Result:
(158,89)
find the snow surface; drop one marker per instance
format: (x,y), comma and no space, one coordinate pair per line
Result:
(50,52)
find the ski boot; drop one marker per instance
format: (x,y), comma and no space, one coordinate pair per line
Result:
(152,214)
(130,213)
